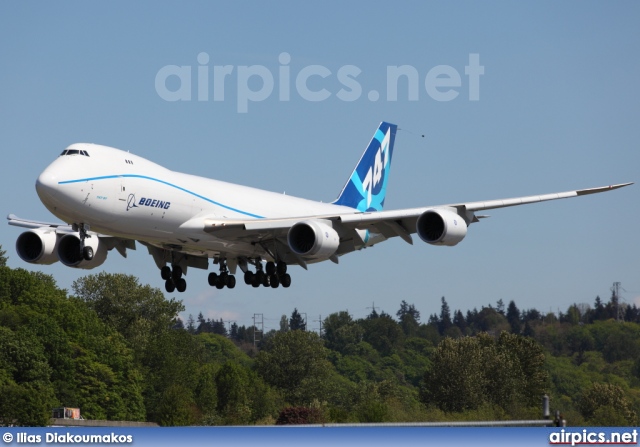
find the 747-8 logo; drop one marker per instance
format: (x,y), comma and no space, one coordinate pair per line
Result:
(374,175)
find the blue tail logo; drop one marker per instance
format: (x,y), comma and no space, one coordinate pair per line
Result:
(366,188)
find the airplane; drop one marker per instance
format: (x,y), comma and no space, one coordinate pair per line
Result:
(109,199)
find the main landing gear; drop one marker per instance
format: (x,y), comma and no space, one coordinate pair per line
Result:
(271,275)
(173,278)
(275,275)
(219,281)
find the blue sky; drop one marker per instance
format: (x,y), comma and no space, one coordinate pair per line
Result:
(557,110)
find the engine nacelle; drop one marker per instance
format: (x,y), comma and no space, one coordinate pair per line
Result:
(313,239)
(70,254)
(441,227)
(38,246)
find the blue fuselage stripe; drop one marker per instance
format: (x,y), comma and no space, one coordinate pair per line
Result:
(106,177)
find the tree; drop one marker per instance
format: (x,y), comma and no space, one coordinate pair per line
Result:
(191,324)
(599,311)
(232,391)
(605,399)
(383,333)
(409,318)
(234,331)
(297,323)
(513,317)
(332,325)
(445,317)
(218,327)
(296,363)
(179,325)
(138,312)
(25,386)
(3,257)
(470,372)
(176,406)
(573,315)
(284,324)
(203,324)
(459,321)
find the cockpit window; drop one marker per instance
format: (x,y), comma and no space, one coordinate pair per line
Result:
(74,152)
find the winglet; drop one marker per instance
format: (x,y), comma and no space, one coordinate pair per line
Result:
(366,188)
(584,192)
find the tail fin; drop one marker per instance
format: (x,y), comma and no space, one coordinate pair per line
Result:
(366,188)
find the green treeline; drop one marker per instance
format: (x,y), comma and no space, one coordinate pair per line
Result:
(116,349)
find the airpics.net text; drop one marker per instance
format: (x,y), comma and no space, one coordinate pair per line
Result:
(255,83)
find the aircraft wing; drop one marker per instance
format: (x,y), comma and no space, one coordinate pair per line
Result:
(27,223)
(388,223)
(120,244)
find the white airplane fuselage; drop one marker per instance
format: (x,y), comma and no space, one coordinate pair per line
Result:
(120,194)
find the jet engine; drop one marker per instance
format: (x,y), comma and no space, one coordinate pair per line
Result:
(313,239)
(441,227)
(38,246)
(70,254)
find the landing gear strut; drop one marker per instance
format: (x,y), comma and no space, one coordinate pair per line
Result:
(173,278)
(219,281)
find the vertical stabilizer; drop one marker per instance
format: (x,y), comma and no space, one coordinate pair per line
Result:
(366,188)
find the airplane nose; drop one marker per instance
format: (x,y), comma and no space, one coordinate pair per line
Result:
(46,184)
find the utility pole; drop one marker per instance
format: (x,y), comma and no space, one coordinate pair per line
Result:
(257,319)
(373,308)
(319,320)
(229,323)
(615,299)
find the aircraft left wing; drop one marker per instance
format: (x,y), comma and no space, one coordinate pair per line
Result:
(439,225)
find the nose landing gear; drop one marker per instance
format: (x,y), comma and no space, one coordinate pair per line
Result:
(86,252)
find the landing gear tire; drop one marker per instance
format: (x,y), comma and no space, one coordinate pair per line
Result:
(170,286)
(231,281)
(270,268)
(213,279)
(274,280)
(181,285)
(165,272)
(285,280)
(176,273)
(87,253)
(282,268)
(248,277)
(255,281)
